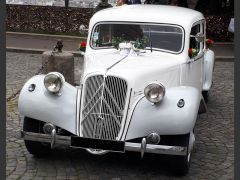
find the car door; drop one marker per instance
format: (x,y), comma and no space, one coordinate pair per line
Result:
(194,66)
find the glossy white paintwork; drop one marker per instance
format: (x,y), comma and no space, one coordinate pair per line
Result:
(183,78)
(137,70)
(148,118)
(44,106)
(209,60)
(184,17)
(171,70)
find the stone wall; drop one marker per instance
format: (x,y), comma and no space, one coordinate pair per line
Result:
(46,18)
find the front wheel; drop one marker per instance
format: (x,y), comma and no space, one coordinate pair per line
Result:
(33,147)
(205,95)
(182,164)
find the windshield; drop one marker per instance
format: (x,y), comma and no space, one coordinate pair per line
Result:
(158,36)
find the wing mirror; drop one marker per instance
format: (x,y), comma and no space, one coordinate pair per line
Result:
(199,37)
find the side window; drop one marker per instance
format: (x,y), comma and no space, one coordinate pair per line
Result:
(194,46)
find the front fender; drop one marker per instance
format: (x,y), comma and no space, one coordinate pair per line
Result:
(209,60)
(166,118)
(44,106)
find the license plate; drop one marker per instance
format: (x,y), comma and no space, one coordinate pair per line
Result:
(85,143)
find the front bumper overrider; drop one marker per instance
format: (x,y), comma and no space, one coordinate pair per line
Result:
(108,145)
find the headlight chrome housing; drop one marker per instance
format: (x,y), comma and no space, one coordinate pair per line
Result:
(53,82)
(154,92)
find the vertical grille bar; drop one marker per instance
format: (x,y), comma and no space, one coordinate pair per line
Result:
(103,107)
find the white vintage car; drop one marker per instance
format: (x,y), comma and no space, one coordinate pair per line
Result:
(146,72)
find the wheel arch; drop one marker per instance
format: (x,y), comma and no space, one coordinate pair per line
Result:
(209,63)
(166,118)
(44,106)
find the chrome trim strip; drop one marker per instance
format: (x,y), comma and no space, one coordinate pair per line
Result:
(126,117)
(53,140)
(143,146)
(135,147)
(47,138)
(156,149)
(78,108)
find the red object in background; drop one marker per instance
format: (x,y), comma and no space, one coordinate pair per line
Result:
(83,44)
(209,42)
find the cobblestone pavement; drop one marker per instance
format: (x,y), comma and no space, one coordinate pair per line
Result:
(212,159)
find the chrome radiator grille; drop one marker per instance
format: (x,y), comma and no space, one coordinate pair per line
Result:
(103,107)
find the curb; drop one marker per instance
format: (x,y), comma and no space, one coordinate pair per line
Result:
(223,43)
(224,58)
(78,54)
(36,51)
(44,35)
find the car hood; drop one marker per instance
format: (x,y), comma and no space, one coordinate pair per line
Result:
(140,69)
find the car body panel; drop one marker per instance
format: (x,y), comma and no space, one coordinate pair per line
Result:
(209,61)
(148,118)
(96,109)
(42,105)
(184,17)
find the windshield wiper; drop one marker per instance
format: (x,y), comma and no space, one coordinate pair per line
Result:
(151,45)
(150,38)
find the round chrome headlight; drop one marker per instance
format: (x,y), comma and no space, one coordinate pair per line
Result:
(154,92)
(53,82)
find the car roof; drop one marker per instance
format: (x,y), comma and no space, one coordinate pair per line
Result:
(149,13)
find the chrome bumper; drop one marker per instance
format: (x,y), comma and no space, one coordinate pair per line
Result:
(135,147)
